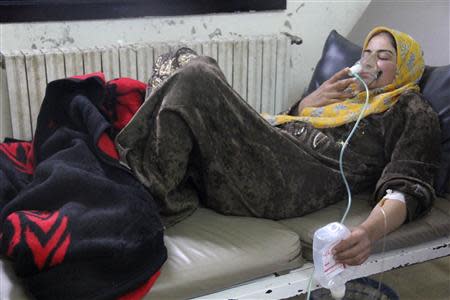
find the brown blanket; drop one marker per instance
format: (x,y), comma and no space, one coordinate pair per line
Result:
(196,142)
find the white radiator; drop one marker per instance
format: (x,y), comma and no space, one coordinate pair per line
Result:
(257,68)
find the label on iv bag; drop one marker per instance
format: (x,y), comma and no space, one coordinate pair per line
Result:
(330,267)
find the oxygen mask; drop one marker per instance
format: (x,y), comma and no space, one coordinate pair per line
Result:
(366,68)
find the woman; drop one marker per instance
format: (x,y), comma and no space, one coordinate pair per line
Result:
(195,141)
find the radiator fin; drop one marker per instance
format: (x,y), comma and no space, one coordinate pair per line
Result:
(18,94)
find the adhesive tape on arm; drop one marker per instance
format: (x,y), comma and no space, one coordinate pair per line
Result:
(394,195)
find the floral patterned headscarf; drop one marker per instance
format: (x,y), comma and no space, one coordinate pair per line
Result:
(410,67)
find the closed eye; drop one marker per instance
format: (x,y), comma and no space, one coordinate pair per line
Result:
(382,54)
(384,57)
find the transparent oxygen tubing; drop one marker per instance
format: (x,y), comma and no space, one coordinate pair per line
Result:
(341,155)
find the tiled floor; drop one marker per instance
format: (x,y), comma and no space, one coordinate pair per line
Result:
(426,281)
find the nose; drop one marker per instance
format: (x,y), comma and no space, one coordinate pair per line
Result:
(370,61)
(369,64)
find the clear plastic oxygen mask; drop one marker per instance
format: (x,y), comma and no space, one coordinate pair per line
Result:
(366,68)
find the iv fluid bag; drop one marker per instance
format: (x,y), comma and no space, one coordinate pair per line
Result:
(327,272)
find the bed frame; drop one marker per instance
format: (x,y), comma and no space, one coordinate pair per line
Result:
(296,281)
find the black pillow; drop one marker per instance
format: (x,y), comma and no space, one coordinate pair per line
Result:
(435,86)
(339,52)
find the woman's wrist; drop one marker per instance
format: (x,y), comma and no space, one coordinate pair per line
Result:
(304,103)
(300,107)
(371,234)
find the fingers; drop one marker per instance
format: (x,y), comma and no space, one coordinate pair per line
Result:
(331,91)
(341,85)
(358,259)
(337,96)
(344,245)
(339,75)
(354,250)
(340,89)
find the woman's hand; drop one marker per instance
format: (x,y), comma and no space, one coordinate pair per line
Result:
(355,249)
(385,217)
(331,91)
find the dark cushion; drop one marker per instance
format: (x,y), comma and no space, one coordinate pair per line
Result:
(435,86)
(339,52)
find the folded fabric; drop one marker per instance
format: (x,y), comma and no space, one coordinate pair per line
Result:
(75,223)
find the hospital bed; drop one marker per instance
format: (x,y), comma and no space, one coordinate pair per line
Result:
(212,256)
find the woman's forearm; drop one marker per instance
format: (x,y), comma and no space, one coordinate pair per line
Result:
(375,226)
(355,249)
(300,106)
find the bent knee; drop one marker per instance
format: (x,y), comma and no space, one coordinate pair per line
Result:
(203,65)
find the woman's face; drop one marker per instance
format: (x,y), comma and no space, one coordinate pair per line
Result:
(381,46)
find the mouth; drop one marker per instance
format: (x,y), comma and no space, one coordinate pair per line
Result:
(367,75)
(369,78)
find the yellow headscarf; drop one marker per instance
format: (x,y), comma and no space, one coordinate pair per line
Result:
(410,67)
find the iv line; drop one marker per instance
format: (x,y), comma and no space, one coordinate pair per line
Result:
(341,155)
(341,169)
(383,248)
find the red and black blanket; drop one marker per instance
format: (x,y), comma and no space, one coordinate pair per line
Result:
(74,221)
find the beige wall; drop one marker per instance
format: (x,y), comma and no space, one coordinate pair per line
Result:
(312,20)
(426,21)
